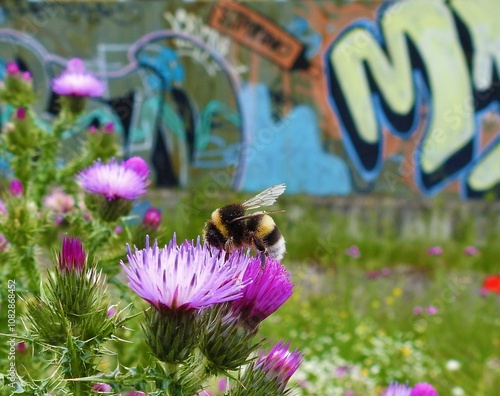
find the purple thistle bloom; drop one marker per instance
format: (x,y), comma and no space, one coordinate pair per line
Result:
(396,389)
(431,310)
(12,69)
(76,81)
(423,389)
(185,277)
(16,188)
(152,218)
(72,256)
(21,113)
(138,165)
(435,251)
(269,289)
(112,180)
(353,251)
(136,393)
(471,250)
(280,363)
(102,388)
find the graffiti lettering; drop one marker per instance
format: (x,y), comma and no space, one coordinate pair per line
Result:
(258,33)
(380,75)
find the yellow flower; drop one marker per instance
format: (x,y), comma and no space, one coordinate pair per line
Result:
(375,304)
(406,351)
(397,291)
(389,300)
(343,314)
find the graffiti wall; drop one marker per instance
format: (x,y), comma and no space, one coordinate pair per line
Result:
(383,97)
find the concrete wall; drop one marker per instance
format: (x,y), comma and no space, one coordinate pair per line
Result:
(398,98)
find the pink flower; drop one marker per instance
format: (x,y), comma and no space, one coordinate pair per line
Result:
(72,256)
(76,81)
(102,388)
(471,250)
(353,251)
(21,113)
(59,202)
(435,251)
(138,165)
(431,310)
(12,69)
(418,310)
(16,188)
(423,389)
(152,218)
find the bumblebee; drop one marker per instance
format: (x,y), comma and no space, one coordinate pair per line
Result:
(230,227)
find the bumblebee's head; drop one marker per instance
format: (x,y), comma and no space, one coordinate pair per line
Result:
(213,236)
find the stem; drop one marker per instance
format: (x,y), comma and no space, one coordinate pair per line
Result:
(76,368)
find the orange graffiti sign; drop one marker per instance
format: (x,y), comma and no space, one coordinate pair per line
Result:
(256,32)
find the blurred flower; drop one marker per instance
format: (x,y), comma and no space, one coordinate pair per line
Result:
(76,81)
(16,188)
(152,218)
(418,310)
(136,393)
(12,69)
(222,385)
(118,229)
(353,251)
(431,310)
(423,389)
(72,256)
(21,347)
(453,365)
(205,393)
(396,389)
(102,388)
(59,202)
(3,243)
(21,113)
(111,311)
(112,180)
(279,364)
(491,284)
(457,391)
(3,208)
(471,250)
(185,277)
(435,251)
(268,290)
(138,165)
(342,371)
(109,127)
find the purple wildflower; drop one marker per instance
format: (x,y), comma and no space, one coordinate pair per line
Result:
(16,188)
(471,250)
(185,277)
(269,289)
(396,389)
(102,387)
(152,218)
(423,389)
(435,251)
(418,310)
(58,201)
(280,363)
(72,256)
(431,310)
(21,113)
(76,81)
(109,127)
(12,69)
(138,165)
(136,393)
(112,180)
(353,251)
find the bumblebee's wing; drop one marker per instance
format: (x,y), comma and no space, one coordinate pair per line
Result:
(265,198)
(260,212)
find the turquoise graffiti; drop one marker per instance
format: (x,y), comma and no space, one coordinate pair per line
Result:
(289,150)
(437,55)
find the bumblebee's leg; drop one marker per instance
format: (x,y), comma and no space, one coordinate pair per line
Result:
(261,248)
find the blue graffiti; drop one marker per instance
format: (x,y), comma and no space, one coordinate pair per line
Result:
(288,151)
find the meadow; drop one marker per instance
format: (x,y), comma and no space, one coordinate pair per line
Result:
(376,301)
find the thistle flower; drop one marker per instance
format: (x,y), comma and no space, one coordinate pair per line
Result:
(271,373)
(76,81)
(113,180)
(435,251)
(12,69)
(111,187)
(423,389)
(16,188)
(268,290)
(396,389)
(152,218)
(59,202)
(102,387)
(280,363)
(178,281)
(353,251)
(72,256)
(471,250)
(138,165)
(185,277)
